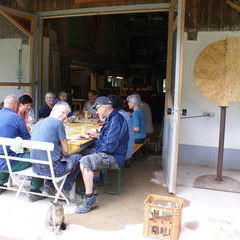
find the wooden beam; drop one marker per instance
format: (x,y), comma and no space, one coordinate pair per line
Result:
(233,5)
(15,23)
(16,84)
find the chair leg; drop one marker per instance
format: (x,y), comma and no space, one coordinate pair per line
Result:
(106,181)
(59,191)
(117,180)
(20,186)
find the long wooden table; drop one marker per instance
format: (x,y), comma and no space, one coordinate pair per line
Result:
(74,130)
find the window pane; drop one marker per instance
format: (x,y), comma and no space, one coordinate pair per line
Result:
(14,53)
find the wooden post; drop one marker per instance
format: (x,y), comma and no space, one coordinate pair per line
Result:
(93,81)
(221,144)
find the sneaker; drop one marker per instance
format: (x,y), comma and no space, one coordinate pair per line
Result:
(48,190)
(33,197)
(86,204)
(1,189)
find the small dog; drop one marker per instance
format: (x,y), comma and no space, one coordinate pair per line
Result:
(55,217)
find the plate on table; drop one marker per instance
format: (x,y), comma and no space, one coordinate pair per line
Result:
(82,137)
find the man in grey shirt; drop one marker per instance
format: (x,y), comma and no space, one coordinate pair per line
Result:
(52,129)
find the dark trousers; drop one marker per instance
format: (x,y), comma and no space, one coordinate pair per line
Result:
(62,167)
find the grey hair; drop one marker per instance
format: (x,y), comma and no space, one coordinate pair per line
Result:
(10,100)
(49,94)
(135,99)
(59,106)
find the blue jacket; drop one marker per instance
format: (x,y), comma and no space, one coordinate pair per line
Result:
(114,137)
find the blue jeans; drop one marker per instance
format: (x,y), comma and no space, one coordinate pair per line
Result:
(62,167)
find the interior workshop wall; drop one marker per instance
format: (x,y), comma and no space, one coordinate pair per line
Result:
(199,136)
(9,64)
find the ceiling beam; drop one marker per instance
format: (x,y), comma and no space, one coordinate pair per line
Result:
(234,5)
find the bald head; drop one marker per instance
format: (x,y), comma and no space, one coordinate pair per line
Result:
(11,102)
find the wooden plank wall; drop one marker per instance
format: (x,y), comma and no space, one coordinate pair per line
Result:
(52,5)
(210,15)
(201,15)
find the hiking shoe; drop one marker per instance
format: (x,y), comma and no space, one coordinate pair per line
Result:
(33,197)
(86,204)
(48,190)
(1,189)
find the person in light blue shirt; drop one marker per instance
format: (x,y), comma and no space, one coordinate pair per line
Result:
(117,104)
(139,127)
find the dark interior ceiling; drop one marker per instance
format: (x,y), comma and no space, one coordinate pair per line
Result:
(146,43)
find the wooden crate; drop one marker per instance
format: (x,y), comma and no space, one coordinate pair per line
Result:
(162,217)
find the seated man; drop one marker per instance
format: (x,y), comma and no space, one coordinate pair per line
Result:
(47,108)
(51,129)
(88,106)
(11,126)
(63,97)
(109,152)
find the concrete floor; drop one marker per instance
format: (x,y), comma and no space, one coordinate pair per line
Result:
(207,214)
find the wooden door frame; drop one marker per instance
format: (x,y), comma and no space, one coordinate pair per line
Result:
(175,104)
(34,47)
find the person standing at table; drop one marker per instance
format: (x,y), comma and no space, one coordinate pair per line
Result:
(51,129)
(92,96)
(134,102)
(109,150)
(117,104)
(147,117)
(47,108)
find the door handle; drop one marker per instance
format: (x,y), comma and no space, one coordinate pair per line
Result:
(183,112)
(169,111)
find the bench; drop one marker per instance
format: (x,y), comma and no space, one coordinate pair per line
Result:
(118,173)
(58,182)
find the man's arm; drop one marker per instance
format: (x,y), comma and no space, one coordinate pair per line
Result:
(64,147)
(24,134)
(113,134)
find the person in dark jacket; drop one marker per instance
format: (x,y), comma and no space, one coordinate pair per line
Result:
(109,150)
(47,108)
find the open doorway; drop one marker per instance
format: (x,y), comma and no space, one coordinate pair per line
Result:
(114,54)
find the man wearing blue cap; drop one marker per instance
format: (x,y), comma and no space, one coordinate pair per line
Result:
(109,149)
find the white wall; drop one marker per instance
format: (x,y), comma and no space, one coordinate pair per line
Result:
(205,131)
(9,61)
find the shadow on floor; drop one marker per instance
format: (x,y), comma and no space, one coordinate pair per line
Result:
(115,212)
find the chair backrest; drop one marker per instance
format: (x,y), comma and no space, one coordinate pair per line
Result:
(45,146)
